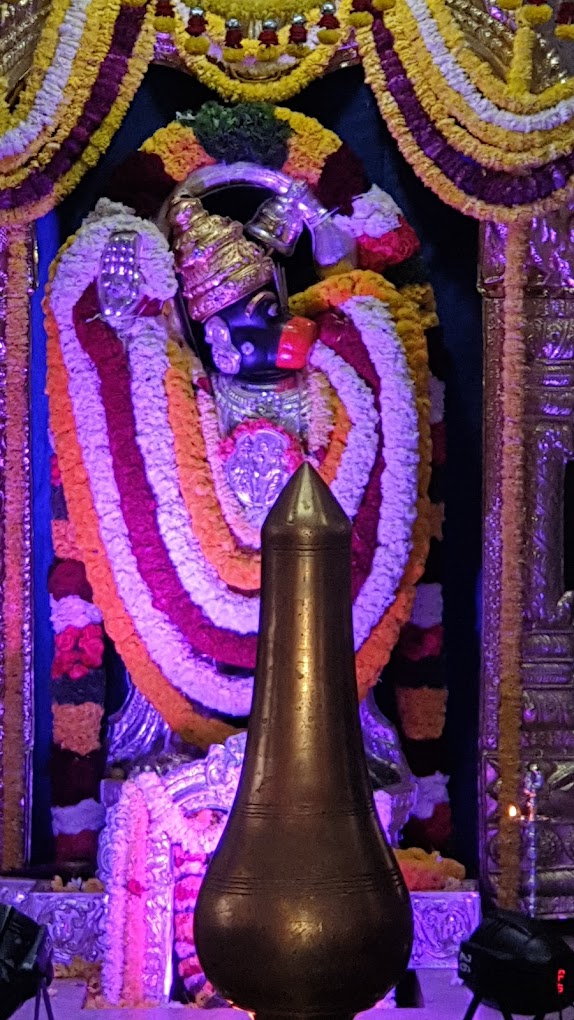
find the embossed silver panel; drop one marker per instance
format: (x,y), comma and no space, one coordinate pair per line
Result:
(547,664)
(75,920)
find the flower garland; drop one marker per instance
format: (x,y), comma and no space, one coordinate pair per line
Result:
(85,38)
(374,653)
(485,93)
(78,695)
(16,563)
(554,100)
(37,108)
(177,711)
(442,102)
(190,676)
(273,72)
(511,588)
(474,125)
(365,218)
(90,114)
(430,143)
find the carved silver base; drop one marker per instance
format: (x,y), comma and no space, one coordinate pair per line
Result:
(75,921)
(442,922)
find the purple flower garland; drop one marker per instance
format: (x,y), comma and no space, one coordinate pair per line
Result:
(497,187)
(40,183)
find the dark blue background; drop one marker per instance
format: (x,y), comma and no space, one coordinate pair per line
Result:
(345,104)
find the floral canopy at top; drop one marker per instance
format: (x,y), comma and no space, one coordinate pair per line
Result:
(171,557)
(487,146)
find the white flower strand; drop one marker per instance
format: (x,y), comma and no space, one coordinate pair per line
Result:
(399,480)
(359,455)
(194,677)
(148,367)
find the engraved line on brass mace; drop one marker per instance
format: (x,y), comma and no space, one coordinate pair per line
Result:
(303,911)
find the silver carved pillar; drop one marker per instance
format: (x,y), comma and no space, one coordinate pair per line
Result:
(547,656)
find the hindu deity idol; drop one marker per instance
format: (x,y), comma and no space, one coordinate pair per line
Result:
(196,356)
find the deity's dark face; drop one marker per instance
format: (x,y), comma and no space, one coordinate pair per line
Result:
(254,339)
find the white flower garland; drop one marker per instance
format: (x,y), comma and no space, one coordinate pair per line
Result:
(428,606)
(359,455)
(194,677)
(437,395)
(72,611)
(147,351)
(374,215)
(321,420)
(86,815)
(399,480)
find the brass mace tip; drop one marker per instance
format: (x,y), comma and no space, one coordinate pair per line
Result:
(306,515)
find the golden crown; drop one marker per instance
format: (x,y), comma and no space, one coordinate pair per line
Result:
(217,264)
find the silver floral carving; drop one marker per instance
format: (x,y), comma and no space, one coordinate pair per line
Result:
(75,921)
(441,922)
(238,401)
(547,660)
(136,730)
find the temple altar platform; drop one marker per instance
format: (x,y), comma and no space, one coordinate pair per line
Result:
(444,999)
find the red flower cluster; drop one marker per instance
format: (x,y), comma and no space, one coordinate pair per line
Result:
(69,578)
(188,888)
(55,475)
(135,887)
(394,247)
(181,857)
(78,650)
(418,643)
(190,968)
(342,179)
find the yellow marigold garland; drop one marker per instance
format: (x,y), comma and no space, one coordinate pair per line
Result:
(271,90)
(64,541)
(480,72)
(93,48)
(424,165)
(14,610)
(511,589)
(422,711)
(520,73)
(179,149)
(43,56)
(100,140)
(493,145)
(308,147)
(77,727)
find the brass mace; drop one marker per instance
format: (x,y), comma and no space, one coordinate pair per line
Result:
(303,911)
